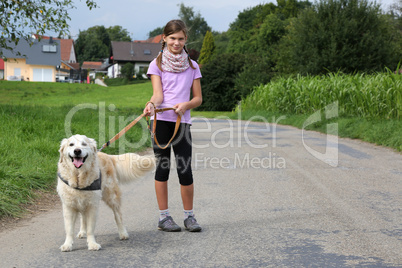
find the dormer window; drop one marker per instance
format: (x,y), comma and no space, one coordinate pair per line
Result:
(147,52)
(49,48)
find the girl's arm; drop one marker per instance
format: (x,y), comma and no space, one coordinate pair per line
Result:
(194,102)
(157,97)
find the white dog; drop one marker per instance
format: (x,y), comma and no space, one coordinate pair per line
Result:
(86,176)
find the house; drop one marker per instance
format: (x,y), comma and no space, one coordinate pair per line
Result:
(38,61)
(140,54)
(68,69)
(94,67)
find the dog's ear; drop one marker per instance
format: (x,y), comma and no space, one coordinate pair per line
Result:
(62,147)
(92,142)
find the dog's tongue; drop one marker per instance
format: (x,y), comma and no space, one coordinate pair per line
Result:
(77,161)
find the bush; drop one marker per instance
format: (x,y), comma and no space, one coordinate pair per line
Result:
(257,71)
(127,71)
(218,82)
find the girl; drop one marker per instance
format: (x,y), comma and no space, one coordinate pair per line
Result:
(173,74)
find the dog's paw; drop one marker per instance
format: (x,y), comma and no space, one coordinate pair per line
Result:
(81,235)
(94,246)
(66,247)
(124,235)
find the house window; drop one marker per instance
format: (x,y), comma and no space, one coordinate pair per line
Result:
(49,48)
(147,52)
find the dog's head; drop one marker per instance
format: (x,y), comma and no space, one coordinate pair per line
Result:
(77,149)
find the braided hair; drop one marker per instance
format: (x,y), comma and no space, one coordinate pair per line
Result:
(173,27)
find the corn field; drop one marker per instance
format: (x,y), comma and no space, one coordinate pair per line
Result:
(362,95)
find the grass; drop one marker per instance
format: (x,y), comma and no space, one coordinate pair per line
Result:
(59,94)
(360,95)
(33,122)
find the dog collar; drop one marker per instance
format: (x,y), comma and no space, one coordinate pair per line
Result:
(96,185)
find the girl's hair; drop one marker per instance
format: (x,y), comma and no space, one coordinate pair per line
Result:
(172,27)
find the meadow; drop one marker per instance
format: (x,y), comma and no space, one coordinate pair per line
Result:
(34,120)
(35,117)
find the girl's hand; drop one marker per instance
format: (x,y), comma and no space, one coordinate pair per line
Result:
(149,109)
(180,108)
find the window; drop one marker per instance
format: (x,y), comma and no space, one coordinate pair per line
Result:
(147,52)
(49,48)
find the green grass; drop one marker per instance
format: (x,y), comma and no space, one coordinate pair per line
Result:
(33,120)
(360,95)
(59,94)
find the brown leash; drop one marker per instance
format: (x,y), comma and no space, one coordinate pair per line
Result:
(135,121)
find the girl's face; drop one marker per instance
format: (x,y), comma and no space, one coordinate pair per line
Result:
(175,42)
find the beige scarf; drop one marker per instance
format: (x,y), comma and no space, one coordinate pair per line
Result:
(175,63)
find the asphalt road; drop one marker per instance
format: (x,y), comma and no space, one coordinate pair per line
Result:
(266,196)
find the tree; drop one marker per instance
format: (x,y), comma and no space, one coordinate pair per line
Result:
(197,26)
(221,40)
(245,32)
(271,31)
(208,48)
(39,16)
(218,82)
(117,33)
(339,35)
(155,32)
(94,43)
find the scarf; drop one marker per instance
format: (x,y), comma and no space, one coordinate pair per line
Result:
(175,63)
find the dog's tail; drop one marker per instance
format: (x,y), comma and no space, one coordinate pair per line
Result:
(131,166)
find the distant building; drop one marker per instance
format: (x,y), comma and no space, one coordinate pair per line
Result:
(37,62)
(140,54)
(68,69)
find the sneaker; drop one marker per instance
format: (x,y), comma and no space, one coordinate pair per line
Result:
(191,224)
(168,225)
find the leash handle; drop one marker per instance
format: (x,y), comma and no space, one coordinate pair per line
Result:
(135,121)
(176,128)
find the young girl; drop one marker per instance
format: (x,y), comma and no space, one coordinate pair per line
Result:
(173,75)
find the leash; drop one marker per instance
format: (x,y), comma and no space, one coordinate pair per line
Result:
(135,121)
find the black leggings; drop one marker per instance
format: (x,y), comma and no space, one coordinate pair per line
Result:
(182,150)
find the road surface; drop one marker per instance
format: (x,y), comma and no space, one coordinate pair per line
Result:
(266,196)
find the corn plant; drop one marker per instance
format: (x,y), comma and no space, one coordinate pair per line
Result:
(371,96)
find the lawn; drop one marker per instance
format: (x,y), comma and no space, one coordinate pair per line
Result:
(35,117)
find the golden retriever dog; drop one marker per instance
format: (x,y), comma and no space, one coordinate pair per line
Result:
(85,176)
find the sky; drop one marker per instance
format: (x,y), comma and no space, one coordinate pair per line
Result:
(141,17)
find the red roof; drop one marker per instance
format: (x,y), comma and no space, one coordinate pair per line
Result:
(155,39)
(65,46)
(1,64)
(93,65)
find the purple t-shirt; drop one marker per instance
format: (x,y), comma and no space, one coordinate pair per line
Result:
(176,88)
